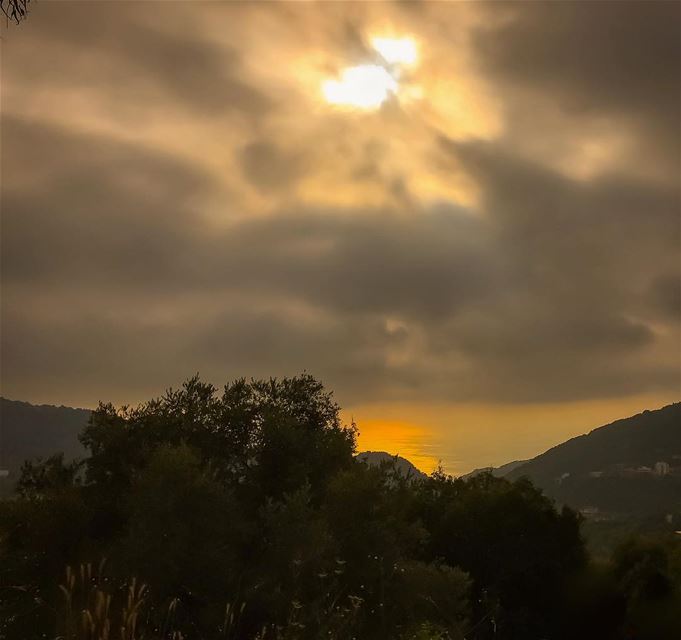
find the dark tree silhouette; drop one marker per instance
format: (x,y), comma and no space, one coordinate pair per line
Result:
(241,512)
(15,10)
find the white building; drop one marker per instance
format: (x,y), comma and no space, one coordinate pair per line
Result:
(661,468)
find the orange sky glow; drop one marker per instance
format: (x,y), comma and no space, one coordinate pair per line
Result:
(463,217)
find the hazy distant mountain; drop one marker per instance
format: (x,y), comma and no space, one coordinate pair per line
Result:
(28,431)
(629,466)
(403,466)
(499,472)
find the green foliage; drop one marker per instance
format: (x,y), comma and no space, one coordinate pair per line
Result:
(511,539)
(434,592)
(649,576)
(242,514)
(291,425)
(40,479)
(176,512)
(427,631)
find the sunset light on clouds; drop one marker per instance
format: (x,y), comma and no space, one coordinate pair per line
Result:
(424,208)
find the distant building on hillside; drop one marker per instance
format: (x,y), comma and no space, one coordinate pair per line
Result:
(562,477)
(661,468)
(4,473)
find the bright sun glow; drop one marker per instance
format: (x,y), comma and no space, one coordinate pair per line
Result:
(396,50)
(366,86)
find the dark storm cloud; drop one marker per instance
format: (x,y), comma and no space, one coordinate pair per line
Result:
(117,281)
(553,272)
(370,261)
(98,213)
(614,57)
(538,329)
(611,59)
(565,221)
(102,233)
(581,250)
(576,376)
(67,342)
(84,208)
(121,338)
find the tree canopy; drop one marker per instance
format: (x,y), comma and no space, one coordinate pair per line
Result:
(241,512)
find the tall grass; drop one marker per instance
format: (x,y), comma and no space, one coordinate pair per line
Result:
(95,609)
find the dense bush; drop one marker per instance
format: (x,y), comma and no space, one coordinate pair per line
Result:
(243,514)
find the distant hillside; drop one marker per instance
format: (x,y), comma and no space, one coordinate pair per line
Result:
(28,431)
(498,472)
(629,466)
(403,466)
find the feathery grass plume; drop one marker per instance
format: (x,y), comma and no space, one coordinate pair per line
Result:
(231,620)
(90,613)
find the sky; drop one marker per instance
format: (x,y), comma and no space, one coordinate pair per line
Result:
(462,217)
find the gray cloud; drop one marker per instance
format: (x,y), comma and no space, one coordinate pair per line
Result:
(492,303)
(370,261)
(606,59)
(116,282)
(575,234)
(98,213)
(134,61)
(665,295)
(270,168)
(613,57)
(79,208)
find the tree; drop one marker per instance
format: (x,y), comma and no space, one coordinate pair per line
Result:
(245,509)
(15,10)
(273,434)
(648,575)
(510,538)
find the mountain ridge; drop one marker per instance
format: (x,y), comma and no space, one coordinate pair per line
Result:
(629,466)
(403,466)
(586,471)
(660,420)
(29,431)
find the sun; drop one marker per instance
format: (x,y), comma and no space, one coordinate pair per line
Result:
(400,51)
(368,86)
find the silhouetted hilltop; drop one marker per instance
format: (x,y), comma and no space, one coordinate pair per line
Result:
(403,466)
(497,472)
(629,466)
(28,431)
